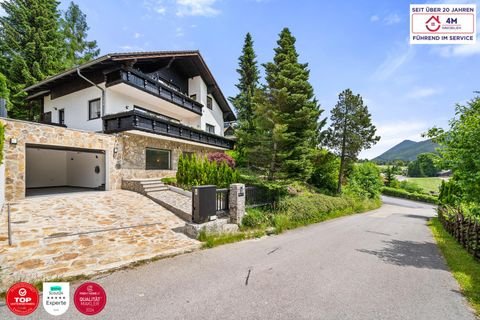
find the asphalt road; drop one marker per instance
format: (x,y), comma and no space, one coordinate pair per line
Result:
(383,264)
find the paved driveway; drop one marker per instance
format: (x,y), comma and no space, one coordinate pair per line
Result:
(85,233)
(379,265)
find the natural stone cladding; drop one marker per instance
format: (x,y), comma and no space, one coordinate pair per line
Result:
(34,133)
(124,153)
(134,146)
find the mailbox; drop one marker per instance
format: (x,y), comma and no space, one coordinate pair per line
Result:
(204,203)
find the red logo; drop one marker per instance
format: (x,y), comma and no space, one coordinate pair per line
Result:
(22,298)
(90,298)
(433,24)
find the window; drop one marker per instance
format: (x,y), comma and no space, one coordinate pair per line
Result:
(210,128)
(61,116)
(193,97)
(209,102)
(94,109)
(157,159)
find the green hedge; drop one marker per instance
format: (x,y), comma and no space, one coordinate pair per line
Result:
(408,195)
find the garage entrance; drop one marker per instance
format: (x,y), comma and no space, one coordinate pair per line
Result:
(53,169)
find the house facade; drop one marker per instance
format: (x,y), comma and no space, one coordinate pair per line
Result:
(121,116)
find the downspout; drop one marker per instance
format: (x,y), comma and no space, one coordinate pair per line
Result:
(94,84)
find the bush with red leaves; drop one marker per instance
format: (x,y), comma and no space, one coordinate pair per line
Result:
(221,157)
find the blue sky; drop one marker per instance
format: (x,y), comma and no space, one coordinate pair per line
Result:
(362,45)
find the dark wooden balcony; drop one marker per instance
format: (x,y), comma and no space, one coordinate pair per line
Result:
(136,120)
(149,85)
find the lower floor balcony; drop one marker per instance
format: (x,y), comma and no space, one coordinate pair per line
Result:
(137,120)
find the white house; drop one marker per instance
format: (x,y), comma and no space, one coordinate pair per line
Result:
(120,116)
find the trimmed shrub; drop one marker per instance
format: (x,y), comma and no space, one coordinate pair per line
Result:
(195,171)
(400,193)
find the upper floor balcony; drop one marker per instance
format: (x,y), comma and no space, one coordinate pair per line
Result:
(156,124)
(145,83)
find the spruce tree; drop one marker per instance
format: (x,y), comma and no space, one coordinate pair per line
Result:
(74,28)
(351,131)
(290,96)
(32,48)
(244,100)
(247,83)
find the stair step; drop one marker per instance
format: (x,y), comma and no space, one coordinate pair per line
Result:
(149,186)
(156,189)
(148,182)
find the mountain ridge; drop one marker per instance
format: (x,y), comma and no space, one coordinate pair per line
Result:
(407,150)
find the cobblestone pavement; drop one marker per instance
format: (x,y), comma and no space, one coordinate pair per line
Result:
(86,233)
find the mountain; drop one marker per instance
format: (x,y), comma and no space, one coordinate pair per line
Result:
(407,150)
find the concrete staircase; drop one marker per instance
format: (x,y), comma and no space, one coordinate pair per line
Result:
(156,190)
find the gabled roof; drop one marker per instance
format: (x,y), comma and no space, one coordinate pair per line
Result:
(193,60)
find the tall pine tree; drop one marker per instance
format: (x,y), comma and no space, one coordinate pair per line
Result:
(74,28)
(33,49)
(244,100)
(351,130)
(247,83)
(290,98)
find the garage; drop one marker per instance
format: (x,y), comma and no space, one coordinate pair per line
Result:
(55,170)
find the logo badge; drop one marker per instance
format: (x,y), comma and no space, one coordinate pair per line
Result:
(90,298)
(56,297)
(22,298)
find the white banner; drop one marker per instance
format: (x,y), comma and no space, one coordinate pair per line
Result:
(443,23)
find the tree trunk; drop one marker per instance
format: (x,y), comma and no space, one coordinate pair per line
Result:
(272,163)
(342,157)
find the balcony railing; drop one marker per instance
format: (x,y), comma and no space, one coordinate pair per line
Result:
(147,84)
(136,120)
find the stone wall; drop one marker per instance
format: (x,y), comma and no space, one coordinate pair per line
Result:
(34,133)
(124,153)
(133,162)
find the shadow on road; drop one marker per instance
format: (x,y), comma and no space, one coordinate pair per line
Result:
(416,216)
(409,253)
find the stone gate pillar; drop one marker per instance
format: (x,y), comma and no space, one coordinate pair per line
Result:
(236,202)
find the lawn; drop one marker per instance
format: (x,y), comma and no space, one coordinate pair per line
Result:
(427,184)
(464,267)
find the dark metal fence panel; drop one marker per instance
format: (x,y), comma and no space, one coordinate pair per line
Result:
(259,197)
(465,230)
(222,201)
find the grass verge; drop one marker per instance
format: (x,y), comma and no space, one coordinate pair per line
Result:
(464,267)
(211,240)
(296,212)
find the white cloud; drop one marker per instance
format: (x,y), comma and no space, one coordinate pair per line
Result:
(394,133)
(392,18)
(179,32)
(196,8)
(137,35)
(394,61)
(419,93)
(157,6)
(374,18)
(463,50)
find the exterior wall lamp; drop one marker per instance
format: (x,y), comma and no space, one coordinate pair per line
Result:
(13,141)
